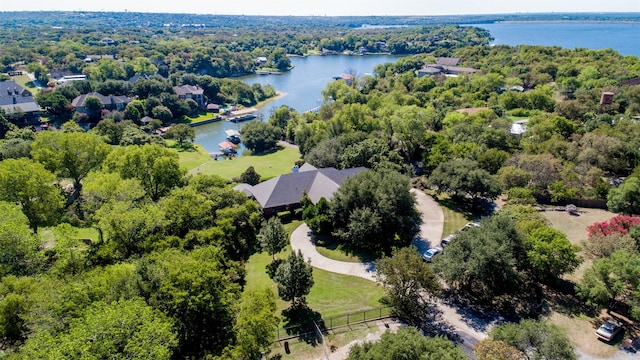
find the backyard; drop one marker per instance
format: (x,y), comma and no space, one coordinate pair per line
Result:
(273,163)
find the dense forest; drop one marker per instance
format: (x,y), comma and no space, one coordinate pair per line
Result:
(165,276)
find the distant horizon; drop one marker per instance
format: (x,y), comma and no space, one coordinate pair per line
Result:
(631,14)
(331,8)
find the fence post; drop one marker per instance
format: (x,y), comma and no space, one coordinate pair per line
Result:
(347,319)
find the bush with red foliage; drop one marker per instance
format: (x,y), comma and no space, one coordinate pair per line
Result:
(617,224)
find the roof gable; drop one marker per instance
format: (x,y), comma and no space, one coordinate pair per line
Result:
(288,189)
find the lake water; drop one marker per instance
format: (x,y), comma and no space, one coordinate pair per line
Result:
(622,37)
(302,88)
(304,84)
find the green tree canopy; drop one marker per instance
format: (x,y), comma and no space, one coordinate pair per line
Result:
(465,177)
(255,326)
(18,245)
(374,210)
(199,290)
(626,197)
(483,263)
(536,339)
(613,278)
(258,136)
(407,343)
(33,188)
(294,278)
(273,237)
(250,176)
(551,254)
(157,168)
(410,284)
(125,329)
(181,132)
(71,155)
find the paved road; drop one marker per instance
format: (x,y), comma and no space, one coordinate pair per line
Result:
(469,329)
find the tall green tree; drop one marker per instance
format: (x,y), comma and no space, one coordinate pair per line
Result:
(71,155)
(465,177)
(157,168)
(483,263)
(33,188)
(199,290)
(409,283)
(273,237)
(374,210)
(18,245)
(611,279)
(550,254)
(259,136)
(626,197)
(256,325)
(129,229)
(250,176)
(295,279)
(181,132)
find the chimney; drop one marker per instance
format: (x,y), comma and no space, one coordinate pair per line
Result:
(14,100)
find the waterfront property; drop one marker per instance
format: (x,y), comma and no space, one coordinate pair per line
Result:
(195,93)
(284,192)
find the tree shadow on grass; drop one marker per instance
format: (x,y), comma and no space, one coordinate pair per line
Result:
(299,320)
(268,152)
(331,243)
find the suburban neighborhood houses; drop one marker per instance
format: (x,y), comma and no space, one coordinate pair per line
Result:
(164,195)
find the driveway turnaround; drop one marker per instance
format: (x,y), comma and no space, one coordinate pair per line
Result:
(430,235)
(301,240)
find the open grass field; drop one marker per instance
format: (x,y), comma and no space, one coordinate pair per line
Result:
(268,165)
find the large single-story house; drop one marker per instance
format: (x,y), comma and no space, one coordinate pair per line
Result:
(16,99)
(194,92)
(285,191)
(444,66)
(111,102)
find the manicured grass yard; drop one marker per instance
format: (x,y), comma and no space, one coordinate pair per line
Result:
(332,294)
(454,217)
(190,159)
(271,164)
(25,82)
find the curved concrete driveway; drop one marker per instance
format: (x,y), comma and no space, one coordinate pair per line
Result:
(430,232)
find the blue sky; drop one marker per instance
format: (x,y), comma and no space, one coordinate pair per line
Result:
(330,7)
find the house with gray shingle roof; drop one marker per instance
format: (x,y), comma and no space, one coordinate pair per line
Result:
(16,99)
(194,92)
(111,102)
(285,191)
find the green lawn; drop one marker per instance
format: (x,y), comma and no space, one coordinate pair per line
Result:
(332,294)
(190,159)
(202,116)
(26,83)
(274,163)
(454,217)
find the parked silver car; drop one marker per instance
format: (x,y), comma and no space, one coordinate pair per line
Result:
(431,253)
